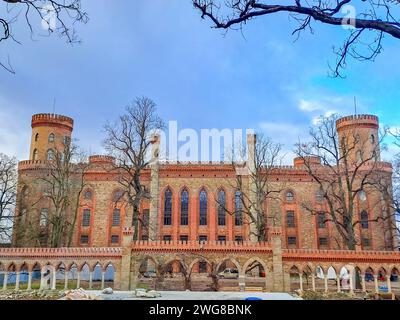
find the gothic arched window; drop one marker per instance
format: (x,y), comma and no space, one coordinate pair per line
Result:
(221,208)
(203,208)
(290,219)
(50,155)
(364,220)
(184,208)
(35,155)
(168,208)
(52,137)
(37,137)
(238,209)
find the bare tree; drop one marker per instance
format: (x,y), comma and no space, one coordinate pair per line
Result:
(57,16)
(62,189)
(129,140)
(348,169)
(368,21)
(8,191)
(255,186)
(391,192)
(396,195)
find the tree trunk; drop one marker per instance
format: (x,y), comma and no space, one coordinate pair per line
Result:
(135,222)
(188,284)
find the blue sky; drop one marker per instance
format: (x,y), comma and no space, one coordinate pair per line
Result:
(199,76)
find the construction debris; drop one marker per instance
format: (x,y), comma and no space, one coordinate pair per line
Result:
(80,294)
(143,293)
(108,291)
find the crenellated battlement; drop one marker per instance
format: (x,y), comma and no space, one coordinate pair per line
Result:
(49,119)
(299,161)
(360,120)
(101,159)
(32,164)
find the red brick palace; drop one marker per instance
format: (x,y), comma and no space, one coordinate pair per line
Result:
(186,227)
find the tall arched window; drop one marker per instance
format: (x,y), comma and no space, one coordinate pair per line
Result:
(50,155)
(290,219)
(221,208)
(168,208)
(35,155)
(44,215)
(86,218)
(37,137)
(184,208)
(51,137)
(364,220)
(372,139)
(238,209)
(203,208)
(116,218)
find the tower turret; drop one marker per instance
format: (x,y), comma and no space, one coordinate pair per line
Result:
(359,136)
(49,133)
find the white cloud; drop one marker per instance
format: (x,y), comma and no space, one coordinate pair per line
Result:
(309,106)
(327,105)
(390,153)
(288,134)
(317,119)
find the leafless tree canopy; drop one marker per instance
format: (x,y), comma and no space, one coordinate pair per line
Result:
(257,186)
(129,140)
(60,192)
(343,177)
(374,19)
(396,186)
(8,190)
(58,16)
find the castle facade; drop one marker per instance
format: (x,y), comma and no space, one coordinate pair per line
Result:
(185,198)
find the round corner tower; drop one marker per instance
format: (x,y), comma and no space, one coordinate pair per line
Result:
(361,134)
(49,133)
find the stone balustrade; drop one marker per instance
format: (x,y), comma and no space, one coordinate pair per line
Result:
(51,261)
(340,255)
